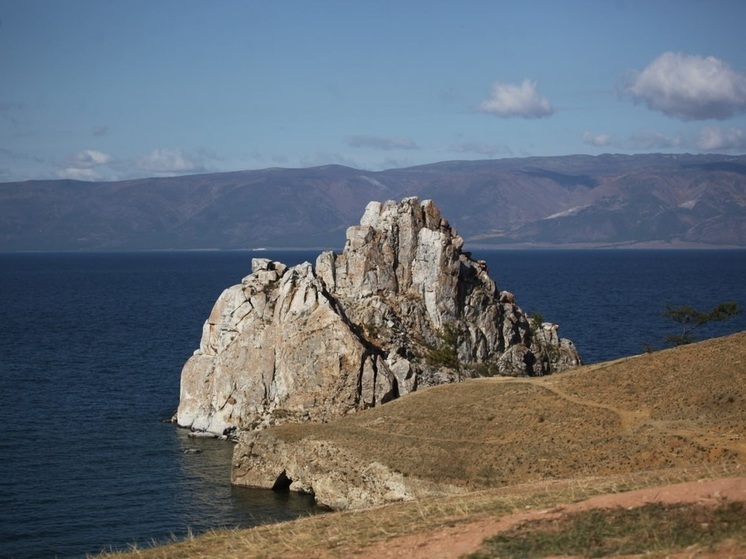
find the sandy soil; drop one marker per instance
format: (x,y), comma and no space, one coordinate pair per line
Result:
(453,542)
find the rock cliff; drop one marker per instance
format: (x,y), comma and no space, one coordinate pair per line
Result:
(400,308)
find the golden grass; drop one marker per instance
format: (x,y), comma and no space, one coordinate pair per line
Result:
(342,534)
(674,408)
(672,416)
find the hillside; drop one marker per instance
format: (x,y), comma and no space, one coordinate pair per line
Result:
(607,200)
(681,407)
(498,446)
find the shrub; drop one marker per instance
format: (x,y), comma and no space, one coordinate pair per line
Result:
(690,319)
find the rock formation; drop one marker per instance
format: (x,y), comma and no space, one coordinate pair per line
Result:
(400,308)
(337,478)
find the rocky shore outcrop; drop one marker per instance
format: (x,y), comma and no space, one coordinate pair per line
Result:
(337,478)
(400,308)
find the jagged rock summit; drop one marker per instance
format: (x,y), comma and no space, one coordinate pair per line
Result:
(400,308)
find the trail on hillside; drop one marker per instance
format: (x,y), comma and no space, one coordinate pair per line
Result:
(628,419)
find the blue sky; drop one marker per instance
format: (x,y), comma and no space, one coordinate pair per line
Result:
(117,89)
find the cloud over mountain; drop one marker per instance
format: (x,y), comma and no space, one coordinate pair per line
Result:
(89,158)
(596,139)
(171,162)
(715,138)
(382,143)
(689,87)
(516,100)
(82,165)
(654,140)
(78,174)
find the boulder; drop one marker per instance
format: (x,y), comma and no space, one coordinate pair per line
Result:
(401,307)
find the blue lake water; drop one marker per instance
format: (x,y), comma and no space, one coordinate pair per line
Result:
(91,350)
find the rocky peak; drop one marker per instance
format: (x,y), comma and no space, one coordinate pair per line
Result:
(398,250)
(401,307)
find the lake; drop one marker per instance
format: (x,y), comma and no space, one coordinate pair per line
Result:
(92,347)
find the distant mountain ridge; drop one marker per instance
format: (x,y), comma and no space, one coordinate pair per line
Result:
(580,200)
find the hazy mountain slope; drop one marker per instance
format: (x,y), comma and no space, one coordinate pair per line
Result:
(691,202)
(602,200)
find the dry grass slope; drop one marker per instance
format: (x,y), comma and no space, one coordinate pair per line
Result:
(675,408)
(670,416)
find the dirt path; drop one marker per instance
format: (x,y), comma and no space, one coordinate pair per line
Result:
(628,419)
(453,542)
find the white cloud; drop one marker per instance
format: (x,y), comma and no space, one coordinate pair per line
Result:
(81,166)
(89,158)
(77,174)
(509,100)
(171,162)
(655,140)
(689,87)
(376,142)
(597,140)
(715,138)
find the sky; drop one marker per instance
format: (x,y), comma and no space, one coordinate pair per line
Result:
(121,89)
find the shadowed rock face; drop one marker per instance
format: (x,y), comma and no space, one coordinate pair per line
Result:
(401,307)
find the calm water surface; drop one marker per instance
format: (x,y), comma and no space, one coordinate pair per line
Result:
(92,347)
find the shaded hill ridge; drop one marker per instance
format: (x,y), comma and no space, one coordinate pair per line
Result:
(605,200)
(677,408)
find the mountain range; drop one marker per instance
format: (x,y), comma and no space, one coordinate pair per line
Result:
(608,200)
